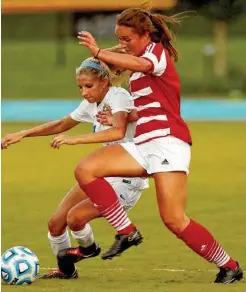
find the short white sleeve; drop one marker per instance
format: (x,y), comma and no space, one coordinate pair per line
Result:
(84,112)
(155,53)
(120,100)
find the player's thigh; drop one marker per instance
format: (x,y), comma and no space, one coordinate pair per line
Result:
(72,198)
(171,193)
(82,213)
(112,160)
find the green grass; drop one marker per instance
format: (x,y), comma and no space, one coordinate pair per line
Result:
(36,177)
(29,68)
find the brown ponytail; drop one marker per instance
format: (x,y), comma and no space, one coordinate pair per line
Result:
(119,75)
(142,20)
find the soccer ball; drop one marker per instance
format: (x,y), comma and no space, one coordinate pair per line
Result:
(19,265)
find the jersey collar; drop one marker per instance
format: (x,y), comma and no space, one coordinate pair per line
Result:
(144,49)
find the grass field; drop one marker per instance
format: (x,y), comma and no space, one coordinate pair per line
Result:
(35,178)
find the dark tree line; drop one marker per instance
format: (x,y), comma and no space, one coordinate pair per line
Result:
(221,13)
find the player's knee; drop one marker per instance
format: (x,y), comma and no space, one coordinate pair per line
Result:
(174,222)
(73,222)
(84,173)
(54,227)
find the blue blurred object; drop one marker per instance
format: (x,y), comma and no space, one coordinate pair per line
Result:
(192,110)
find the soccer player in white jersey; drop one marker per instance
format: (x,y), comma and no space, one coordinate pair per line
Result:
(75,211)
(162,140)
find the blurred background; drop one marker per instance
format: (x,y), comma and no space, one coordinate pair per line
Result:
(40,51)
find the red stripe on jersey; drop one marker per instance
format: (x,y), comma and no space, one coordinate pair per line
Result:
(158,50)
(152,97)
(145,141)
(151,126)
(138,83)
(165,91)
(148,112)
(165,94)
(179,130)
(144,100)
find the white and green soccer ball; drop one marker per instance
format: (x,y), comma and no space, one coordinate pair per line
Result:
(19,265)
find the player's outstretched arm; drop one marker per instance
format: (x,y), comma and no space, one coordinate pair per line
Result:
(11,139)
(50,128)
(132,63)
(116,132)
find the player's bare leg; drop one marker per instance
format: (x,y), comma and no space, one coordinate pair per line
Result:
(171,196)
(89,174)
(77,219)
(58,236)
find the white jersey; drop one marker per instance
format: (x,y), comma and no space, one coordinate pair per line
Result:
(119,100)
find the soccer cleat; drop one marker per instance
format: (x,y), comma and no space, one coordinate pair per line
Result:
(228,276)
(79,253)
(67,258)
(57,274)
(122,242)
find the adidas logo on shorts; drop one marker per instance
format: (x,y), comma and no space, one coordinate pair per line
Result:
(165,162)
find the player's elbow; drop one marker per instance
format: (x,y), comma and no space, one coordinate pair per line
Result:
(61,125)
(66,124)
(145,65)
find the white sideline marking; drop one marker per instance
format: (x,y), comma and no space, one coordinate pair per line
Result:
(157,269)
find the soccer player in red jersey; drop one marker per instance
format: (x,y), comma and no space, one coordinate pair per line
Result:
(162,140)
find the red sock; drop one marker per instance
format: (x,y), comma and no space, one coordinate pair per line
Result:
(201,241)
(230,264)
(103,195)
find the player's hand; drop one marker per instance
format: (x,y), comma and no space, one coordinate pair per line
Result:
(61,140)
(105,117)
(11,139)
(87,40)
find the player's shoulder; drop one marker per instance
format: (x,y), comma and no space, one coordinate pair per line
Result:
(83,104)
(119,97)
(86,105)
(154,48)
(120,92)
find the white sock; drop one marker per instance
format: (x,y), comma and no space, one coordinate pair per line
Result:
(60,242)
(84,237)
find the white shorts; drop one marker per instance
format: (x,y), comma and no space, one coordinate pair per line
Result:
(161,154)
(128,190)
